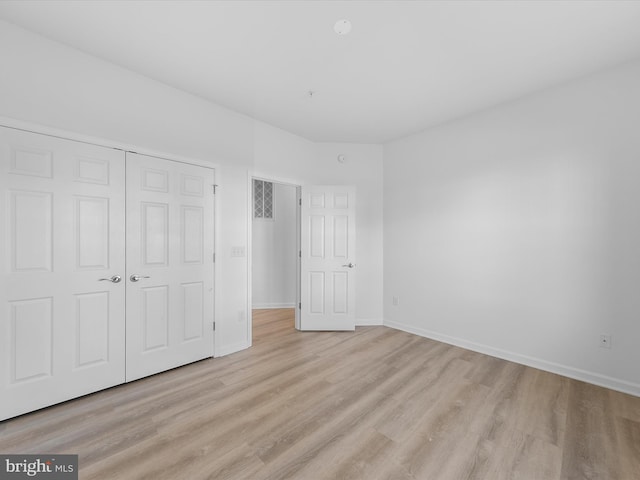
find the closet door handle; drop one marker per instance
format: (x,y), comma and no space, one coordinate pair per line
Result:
(135,278)
(114,279)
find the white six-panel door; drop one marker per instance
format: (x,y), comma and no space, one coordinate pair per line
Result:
(62,328)
(328,258)
(170,267)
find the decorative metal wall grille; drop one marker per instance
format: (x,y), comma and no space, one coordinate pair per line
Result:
(262,199)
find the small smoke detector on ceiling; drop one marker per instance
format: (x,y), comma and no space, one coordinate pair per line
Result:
(342,158)
(342,27)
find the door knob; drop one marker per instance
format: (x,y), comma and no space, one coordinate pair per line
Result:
(114,279)
(135,278)
(350,265)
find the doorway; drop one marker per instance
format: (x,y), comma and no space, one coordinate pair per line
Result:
(274,252)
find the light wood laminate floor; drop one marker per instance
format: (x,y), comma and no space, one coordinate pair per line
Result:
(374,404)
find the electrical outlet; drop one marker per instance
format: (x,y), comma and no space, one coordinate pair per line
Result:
(238,252)
(395,301)
(605,341)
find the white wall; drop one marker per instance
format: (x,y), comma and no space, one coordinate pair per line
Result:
(58,86)
(275,253)
(516,231)
(281,155)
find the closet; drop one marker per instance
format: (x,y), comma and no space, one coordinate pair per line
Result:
(106,268)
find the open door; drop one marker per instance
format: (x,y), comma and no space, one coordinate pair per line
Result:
(328,233)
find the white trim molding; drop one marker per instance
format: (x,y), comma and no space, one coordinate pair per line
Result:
(267,306)
(103,142)
(368,322)
(564,370)
(229,349)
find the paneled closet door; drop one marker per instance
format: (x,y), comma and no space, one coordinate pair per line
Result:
(170,269)
(62,244)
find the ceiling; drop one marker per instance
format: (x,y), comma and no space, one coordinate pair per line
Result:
(405,66)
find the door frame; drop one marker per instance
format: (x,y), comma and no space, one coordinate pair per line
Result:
(254,175)
(33,127)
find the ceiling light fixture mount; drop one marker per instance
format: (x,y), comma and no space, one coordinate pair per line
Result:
(342,27)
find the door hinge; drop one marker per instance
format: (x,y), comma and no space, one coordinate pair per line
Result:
(214,257)
(214,326)
(214,188)
(300,201)
(300,306)
(300,253)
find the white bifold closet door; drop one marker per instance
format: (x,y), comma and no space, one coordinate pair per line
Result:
(169,264)
(62,326)
(75,317)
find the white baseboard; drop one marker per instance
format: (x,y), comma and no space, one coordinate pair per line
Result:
(368,322)
(564,370)
(266,306)
(229,349)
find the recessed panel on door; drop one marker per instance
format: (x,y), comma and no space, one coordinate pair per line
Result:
(341,236)
(316,292)
(317,236)
(31,231)
(316,200)
(192,234)
(155,180)
(92,232)
(193,317)
(191,185)
(32,338)
(92,170)
(341,200)
(340,291)
(31,161)
(156,317)
(92,328)
(155,233)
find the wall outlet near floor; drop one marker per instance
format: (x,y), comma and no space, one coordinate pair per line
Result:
(395,301)
(605,341)
(238,252)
